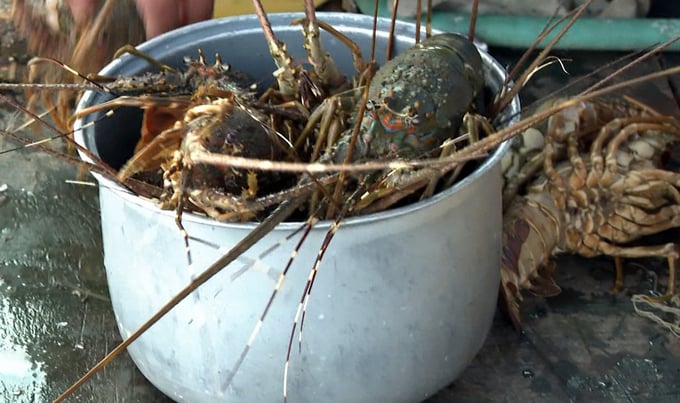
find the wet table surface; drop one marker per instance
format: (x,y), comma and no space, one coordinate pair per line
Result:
(55,317)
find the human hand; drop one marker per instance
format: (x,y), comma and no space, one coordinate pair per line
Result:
(158,15)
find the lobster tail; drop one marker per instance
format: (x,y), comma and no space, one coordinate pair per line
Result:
(530,234)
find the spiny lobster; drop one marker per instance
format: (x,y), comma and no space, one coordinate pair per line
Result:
(592,180)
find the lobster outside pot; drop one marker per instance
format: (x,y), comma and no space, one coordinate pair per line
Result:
(597,182)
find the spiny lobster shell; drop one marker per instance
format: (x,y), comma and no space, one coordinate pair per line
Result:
(420,119)
(603,184)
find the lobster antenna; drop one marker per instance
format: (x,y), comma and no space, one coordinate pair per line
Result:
(550,25)
(301,311)
(179,210)
(302,306)
(428,25)
(280,214)
(646,55)
(352,144)
(64,66)
(509,95)
(636,57)
(8,100)
(419,17)
(390,38)
(375,30)
(279,282)
(473,20)
(43,86)
(513,75)
(99,167)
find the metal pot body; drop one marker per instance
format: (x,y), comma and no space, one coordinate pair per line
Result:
(403,299)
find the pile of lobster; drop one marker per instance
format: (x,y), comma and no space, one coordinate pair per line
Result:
(201,118)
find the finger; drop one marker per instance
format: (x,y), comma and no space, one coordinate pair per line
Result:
(158,15)
(82,10)
(195,11)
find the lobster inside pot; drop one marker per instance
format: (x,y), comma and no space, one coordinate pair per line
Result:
(381,314)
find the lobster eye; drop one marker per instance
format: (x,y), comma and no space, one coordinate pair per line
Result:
(371,105)
(412,120)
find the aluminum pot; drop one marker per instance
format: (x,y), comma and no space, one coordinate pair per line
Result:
(402,302)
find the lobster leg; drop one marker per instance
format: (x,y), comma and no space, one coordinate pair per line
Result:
(652,195)
(668,250)
(605,165)
(129,49)
(286,74)
(670,290)
(358,60)
(563,126)
(627,221)
(289,76)
(523,164)
(324,66)
(618,281)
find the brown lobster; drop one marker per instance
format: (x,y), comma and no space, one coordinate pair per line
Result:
(596,183)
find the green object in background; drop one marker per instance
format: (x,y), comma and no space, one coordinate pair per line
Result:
(586,34)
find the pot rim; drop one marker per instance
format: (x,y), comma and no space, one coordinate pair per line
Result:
(165,41)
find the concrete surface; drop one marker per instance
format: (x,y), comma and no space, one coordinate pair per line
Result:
(55,319)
